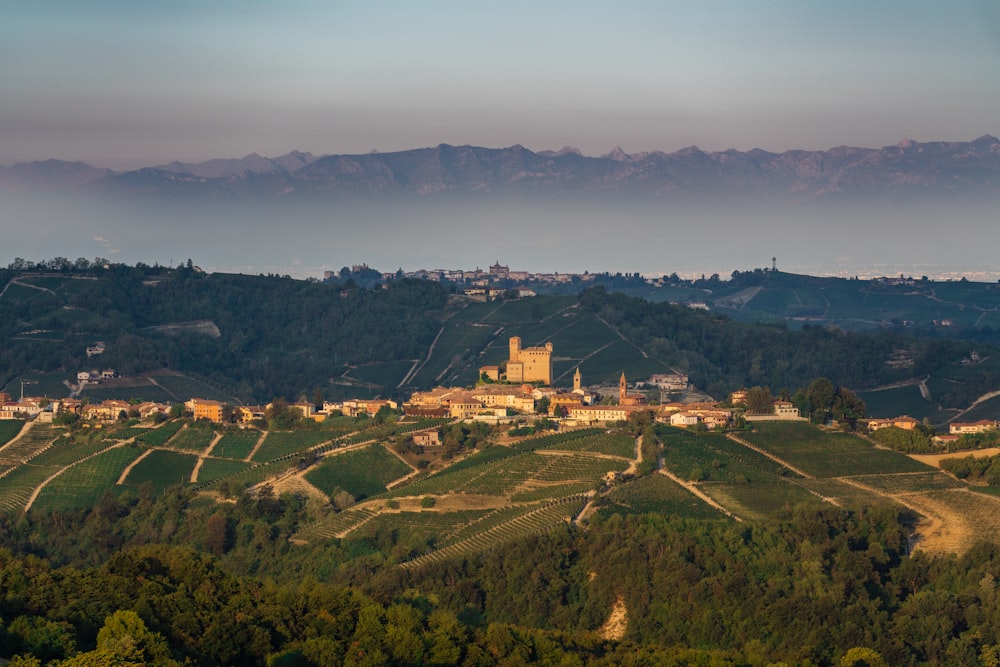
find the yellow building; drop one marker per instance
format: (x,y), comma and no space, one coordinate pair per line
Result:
(529,364)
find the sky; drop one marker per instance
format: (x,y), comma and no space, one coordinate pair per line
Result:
(126,84)
(123,84)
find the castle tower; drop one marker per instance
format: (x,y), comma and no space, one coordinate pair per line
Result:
(622,391)
(577,380)
(515,348)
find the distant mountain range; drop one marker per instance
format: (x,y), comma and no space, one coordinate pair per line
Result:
(910,167)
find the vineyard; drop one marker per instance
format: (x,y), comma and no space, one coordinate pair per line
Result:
(162,468)
(160,436)
(279,444)
(9,428)
(361,472)
(80,486)
(195,438)
(825,454)
(657,493)
(236,444)
(213,469)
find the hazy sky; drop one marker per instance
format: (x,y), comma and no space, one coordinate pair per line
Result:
(125,83)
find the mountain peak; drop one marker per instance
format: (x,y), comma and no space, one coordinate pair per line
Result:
(617,154)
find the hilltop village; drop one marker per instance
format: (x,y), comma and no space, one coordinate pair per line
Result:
(514,392)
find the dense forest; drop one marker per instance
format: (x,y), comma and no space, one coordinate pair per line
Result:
(138,580)
(282,336)
(721,354)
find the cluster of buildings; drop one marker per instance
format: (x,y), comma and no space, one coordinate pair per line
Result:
(521,385)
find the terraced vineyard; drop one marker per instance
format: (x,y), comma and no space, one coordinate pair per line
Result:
(825,454)
(213,469)
(158,437)
(236,444)
(279,444)
(195,438)
(657,493)
(36,439)
(421,526)
(361,472)
(163,468)
(81,485)
(537,519)
(335,525)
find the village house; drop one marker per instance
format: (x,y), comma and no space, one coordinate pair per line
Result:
(669,381)
(595,414)
(904,422)
(783,411)
(247,413)
(519,398)
(108,410)
(684,419)
(370,407)
(205,409)
(427,438)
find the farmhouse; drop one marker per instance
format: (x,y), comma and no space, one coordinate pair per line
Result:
(669,381)
(427,438)
(783,411)
(904,422)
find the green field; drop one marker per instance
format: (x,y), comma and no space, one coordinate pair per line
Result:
(41,384)
(236,444)
(279,444)
(362,472)
(183,387)
(195,438)
(214,469)
(139,388)
(825,454)
(658,493)
(80,486)
(988,409)
(158,437)
(899,401)
(163,468)
(760,499)
(9,428)
(613,444)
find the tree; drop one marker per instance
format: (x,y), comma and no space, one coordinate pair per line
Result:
(820,394)
(759,401)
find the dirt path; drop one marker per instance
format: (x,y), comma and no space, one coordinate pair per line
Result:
(637,461)
(701,494)
(985,397)
(935,459)
(260,441)
(942,531)
(128,468)
(769,455)
(588,509)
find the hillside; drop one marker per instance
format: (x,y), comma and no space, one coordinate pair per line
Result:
(174,334)
(750,526)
